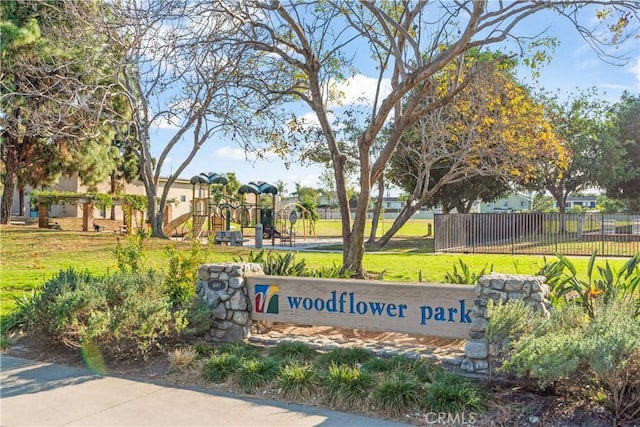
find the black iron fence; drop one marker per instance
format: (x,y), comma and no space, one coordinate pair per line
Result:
(539,233)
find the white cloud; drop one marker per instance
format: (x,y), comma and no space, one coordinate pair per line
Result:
(361,90)
(634,68)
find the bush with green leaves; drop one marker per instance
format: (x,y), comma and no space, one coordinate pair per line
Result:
(182,271)
(579,347)
(255,372)
(131,257)
(276,263)
(285,264)
(452,393)
(126,315)
(345,356)
(465,276)
(348,387)
(397,393)
(293,351)
(298,380)
(220,367)
(567,287)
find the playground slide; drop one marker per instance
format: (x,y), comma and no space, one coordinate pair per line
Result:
(199,222)
(171,228)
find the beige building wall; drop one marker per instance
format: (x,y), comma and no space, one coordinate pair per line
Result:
(180,194)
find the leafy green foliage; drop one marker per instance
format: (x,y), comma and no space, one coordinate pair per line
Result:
(600,348)
(299,380)
(126,315)
(293,351)
(197,315)
(397,393)
(255,372)
(131,257)
(347,386)
(452,393)
(275,263)
(220,367)
(565,285)
(345,356)
(510,319)
(465,276)
(182,271)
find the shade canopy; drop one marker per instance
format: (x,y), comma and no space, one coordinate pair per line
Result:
(214,178)
(258,187)
(198,180)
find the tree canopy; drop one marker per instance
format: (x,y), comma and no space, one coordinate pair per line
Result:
(51,96)
(308,53)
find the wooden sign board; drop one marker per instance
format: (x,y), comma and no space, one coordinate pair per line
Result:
(435,310)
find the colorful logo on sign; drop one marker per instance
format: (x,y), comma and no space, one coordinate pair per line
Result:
(266,299)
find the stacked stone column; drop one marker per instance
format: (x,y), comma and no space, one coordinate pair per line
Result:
(223,288)
(499,287)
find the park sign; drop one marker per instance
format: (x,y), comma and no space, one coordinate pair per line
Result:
(436,310)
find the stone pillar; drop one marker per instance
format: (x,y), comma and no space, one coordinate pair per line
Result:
(499,287)
(43,215)
(223,288)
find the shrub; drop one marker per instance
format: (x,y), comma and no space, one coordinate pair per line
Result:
(199,318)
(333,272)
(182,272)
(465,276)
(125,314)
(293,351)
(422,369)
(452,393)
(602,352)
(345,356)
(397,393)
(299,381)
(219,367)
(348,387)
(507,320)
(240,349)
(182,358)
(253,373)
(276,264)
(131,257)
(205,349)
(566,286)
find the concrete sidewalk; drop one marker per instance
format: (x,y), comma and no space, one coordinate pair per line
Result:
(43,394)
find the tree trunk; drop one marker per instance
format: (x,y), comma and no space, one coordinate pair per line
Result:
(21,211)
(11,167)
(377,210)
(113,191)
(404,215)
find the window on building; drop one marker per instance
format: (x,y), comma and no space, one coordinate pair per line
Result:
(522,203)
(183,198)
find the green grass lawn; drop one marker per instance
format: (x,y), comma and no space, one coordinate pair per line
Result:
(30,256)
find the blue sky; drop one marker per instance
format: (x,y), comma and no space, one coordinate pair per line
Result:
(574,65)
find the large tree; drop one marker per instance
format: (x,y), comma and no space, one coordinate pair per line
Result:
(308,49)
(177,75)
(623,181)
(492,131)
(581,120)
(52,92)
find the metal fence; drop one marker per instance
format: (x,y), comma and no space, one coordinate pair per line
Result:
(539,233)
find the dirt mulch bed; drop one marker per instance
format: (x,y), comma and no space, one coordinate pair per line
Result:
(509,405)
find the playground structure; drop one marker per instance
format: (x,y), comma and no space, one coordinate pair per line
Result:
(213,212)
